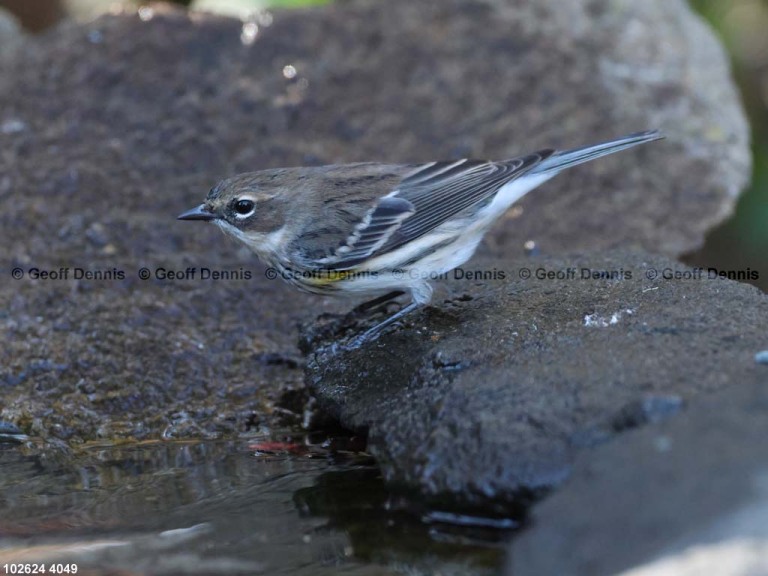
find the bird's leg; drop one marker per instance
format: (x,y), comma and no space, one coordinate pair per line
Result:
(338,324)
(375,332)
(421,293)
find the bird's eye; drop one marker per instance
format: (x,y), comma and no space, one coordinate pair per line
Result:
(244,207)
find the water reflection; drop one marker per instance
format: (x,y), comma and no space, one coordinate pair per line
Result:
(387,528)
(217,507)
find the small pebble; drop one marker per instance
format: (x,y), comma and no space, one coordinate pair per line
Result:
(762,357)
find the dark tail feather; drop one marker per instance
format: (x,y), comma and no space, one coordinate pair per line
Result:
(562,160)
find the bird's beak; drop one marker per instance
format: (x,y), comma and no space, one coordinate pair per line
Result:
(198,213)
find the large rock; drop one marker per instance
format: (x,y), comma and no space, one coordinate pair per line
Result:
(488,398)
(685,497)
(110,129)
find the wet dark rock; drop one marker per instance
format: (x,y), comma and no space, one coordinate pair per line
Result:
(491,398)
(686,496)
(110,129)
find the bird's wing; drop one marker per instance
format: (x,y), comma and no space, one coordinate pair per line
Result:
(426,196)
(372,232)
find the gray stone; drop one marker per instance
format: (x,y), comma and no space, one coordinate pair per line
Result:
(686,496)
(487,397)
(112,128)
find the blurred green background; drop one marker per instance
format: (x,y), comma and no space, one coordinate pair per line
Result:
(740,243)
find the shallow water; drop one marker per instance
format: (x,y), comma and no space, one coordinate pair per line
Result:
(225,508)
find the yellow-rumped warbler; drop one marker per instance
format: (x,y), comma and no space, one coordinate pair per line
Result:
(369,228)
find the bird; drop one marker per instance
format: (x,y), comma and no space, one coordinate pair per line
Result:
(370,228)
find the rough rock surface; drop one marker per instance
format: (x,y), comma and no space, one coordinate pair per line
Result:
(110,129)
(489,396)
(687,496)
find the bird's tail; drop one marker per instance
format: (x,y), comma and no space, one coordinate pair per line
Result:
(562,160)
